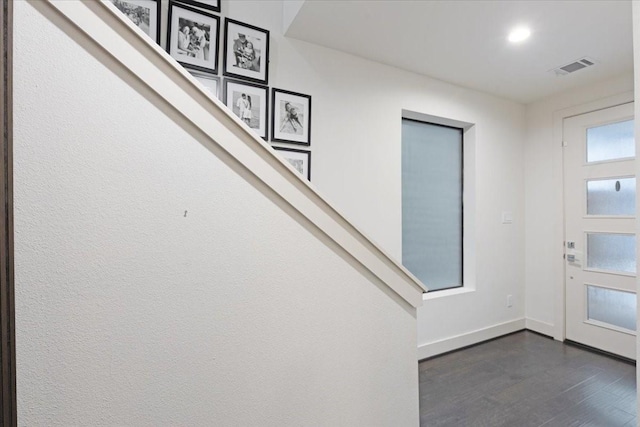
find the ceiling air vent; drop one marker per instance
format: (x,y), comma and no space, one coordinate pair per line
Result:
(574,66)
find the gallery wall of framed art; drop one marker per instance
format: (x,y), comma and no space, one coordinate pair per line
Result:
(199,36)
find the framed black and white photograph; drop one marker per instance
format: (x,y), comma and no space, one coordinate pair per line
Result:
(246,52)
(144,13)
(299,159)
(211,83)
(192,37)
(290,117)
(249,102)
(213,5)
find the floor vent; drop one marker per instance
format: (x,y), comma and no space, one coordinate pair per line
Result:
(573,66)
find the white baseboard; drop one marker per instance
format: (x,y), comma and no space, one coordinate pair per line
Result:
(543,328)
(448,344)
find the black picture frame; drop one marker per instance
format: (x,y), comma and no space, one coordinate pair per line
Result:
(300,160)
(213,5)
(210,82)
(145,14)
(192,50)
(290,117)
(238,60)
(258,113)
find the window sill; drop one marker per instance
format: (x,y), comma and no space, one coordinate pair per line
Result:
(447,293)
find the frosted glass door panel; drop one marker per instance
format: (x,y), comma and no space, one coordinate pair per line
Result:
(611,142)
(611,252)
(611,197)
(432,203)
(612,307)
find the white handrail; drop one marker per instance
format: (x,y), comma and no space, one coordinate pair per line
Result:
(123,47)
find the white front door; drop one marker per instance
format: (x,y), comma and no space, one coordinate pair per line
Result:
(600,205)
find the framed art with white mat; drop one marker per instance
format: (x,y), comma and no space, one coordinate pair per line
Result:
(249,102)
(192,37)
(291,117)
(299,159)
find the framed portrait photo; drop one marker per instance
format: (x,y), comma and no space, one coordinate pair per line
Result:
(210,83)
(213,5)
(299,159)
(246,52)
(192,37)
(144,13)
(249,102)
(290,117)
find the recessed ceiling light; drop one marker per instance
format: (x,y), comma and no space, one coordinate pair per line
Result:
(519,34)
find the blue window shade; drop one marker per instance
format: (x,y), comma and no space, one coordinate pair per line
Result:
(432,203)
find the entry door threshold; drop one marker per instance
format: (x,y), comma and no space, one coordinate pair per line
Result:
(602,352)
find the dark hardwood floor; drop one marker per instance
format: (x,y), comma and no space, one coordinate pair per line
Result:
(525,379)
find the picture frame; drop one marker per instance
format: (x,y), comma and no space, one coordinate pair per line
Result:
(145,14)
(290,117)
(213,5)
(210,82)
(192,37)
(299,159)
(250,103)
(246,52)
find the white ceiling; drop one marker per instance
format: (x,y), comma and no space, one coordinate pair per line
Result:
(465,41)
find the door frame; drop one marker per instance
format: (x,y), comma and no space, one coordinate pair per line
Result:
(558,198)
(8,410)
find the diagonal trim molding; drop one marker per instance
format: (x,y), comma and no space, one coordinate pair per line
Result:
(119,44)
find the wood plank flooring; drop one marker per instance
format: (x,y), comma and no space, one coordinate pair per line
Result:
(525,379)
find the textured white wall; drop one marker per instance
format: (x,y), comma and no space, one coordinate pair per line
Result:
(154,286)
(543,178)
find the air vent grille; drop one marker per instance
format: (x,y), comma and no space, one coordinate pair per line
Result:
(573,66)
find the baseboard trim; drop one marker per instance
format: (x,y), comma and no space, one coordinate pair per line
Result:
(457,342)
(540,327)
